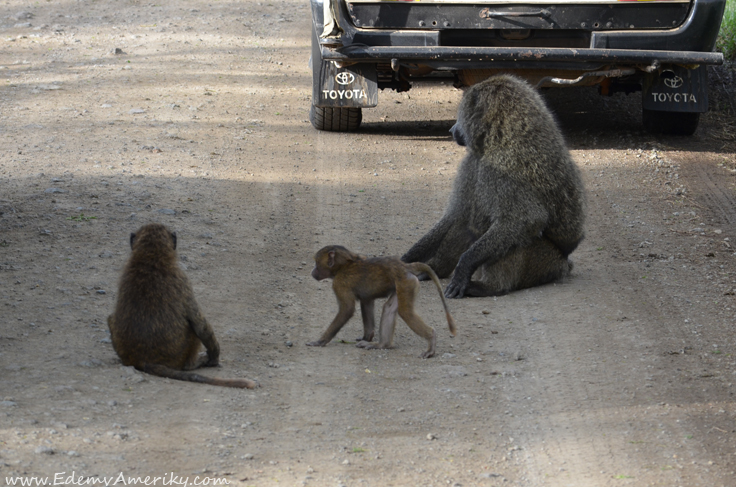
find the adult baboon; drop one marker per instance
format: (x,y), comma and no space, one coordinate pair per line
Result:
(357,278)
(517,207)
(157,326)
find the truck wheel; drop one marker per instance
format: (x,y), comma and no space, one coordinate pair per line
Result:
(336,119)
(670,123)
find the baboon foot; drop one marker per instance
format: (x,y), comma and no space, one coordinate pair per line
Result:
(209,362)
(365,338)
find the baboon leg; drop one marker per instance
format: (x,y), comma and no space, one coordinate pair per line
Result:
(426,246)
(534,265)
(369,323)
(195,359)
(386,327)
(206,335)
(448,254)
(406,295)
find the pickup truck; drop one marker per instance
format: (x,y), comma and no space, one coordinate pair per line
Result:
(658,47)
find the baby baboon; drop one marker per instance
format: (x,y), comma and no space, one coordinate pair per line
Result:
(517,207)
(357,278)
(157,326)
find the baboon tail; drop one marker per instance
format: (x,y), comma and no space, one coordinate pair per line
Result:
(417,268)
(168,372)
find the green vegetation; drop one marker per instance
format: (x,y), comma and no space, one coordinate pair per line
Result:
(726,42)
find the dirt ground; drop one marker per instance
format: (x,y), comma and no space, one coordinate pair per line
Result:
(194,114)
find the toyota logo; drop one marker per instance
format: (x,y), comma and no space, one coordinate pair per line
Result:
(344,78)
(675,82)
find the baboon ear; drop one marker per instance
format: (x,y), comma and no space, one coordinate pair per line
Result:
(173,238)
(330,258)
(132,238)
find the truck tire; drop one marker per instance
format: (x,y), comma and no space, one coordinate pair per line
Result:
(670,123)
(335,119)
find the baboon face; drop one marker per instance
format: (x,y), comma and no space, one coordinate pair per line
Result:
(457,134)
(323,261)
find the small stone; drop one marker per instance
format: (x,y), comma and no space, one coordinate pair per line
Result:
(448,355)
(55,190)
(90,363)
(112,403)
(248,456)
(137,111)
(289,344)
(72,453)
(101,291)
(44,450)
(117,50)
(490,475)
(167,211)
(486,312)
(431,437)
(8,404)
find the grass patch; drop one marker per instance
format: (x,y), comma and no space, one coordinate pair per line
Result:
(726,42)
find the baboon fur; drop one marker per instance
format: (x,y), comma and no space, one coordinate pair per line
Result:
(517,207)
(157,326)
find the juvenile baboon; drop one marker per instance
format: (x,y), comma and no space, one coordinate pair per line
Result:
(357,278)
(157,326)
(517,207)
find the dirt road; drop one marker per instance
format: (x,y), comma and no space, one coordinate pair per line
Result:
(622,375)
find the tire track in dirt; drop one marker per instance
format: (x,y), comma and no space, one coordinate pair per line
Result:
(589,405)
(710,188)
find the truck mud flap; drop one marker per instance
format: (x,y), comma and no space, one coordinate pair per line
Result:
(676,89)
(351,86)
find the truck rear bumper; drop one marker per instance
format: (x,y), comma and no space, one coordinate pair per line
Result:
(535,56)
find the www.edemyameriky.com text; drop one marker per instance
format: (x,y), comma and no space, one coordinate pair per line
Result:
(65,478)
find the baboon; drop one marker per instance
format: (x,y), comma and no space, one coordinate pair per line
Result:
(355,277)
(157,326)
(517,206)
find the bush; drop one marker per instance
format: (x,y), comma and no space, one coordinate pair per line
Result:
(726,42)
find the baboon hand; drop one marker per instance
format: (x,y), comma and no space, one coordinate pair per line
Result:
(456,288)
